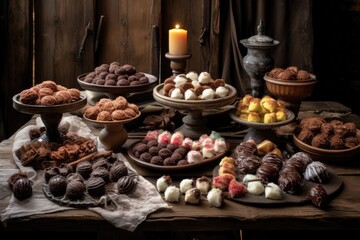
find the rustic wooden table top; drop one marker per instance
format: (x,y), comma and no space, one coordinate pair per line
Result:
(343,212)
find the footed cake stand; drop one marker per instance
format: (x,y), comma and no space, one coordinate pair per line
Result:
(262,131)
(113,135)
(194,123)
(114,91)
(50,115)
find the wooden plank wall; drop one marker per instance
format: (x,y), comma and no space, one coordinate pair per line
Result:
(133,31)
(15,65)
(59,32)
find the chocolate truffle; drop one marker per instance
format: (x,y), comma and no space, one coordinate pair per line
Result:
(269,169)
(75,190)
(101,172)
(57,185)
(290,180)
(154,151)
(126,184)
(157,160)
(101,162)
(351,142)
(192,196)
(22,189)
(247,163)
(14,177)
(95,186)
(164,153)
(118,170)
(318,196)
(336,142)
(169,162)
(84,169)
(320,141)
(182,162)
(145,157)
(74,177)
(316,172)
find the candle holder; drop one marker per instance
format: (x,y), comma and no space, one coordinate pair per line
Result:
(178,62)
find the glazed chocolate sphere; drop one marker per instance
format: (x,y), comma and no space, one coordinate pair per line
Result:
(84,169)
(75,190)
(117,171)
(126,184)
(22,189)
(57,185)
(95,186)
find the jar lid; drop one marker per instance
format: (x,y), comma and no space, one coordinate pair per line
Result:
(260,39)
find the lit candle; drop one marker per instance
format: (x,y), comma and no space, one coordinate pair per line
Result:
(178,41)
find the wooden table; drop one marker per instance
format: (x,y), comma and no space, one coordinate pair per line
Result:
(342,215)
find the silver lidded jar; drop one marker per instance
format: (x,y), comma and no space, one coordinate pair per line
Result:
(258,60)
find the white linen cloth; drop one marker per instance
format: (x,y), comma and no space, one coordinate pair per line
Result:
(123,211)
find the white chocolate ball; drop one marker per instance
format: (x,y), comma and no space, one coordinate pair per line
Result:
(180,79)
(190,95)
(186,184)
(215,197)
(172,194)
(192,75)
(221,91)
(208,94)
(204,78)
(177,94)
(255,187)
(273,191)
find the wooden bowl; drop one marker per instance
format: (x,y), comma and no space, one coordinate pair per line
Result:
(327,155)
(290,90)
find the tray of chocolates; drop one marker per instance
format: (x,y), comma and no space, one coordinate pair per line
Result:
(116,79)
(260,175)
(327,140)
(90,183)
(165,151)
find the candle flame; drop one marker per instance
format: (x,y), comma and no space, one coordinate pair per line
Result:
(177,26)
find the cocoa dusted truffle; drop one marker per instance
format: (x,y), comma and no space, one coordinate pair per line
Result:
(57,185)
(169,162)
(126,184)
(75,190)
(157,160)
(154,150)
(95,186)
(164,153)
(146,157)
(306,136)
(182,162)
(336,142)
(320,141)
(351,142)
(318,196)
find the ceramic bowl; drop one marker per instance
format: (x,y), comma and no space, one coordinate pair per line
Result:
(290,90)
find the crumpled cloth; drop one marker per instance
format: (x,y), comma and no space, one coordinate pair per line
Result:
(123,211)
